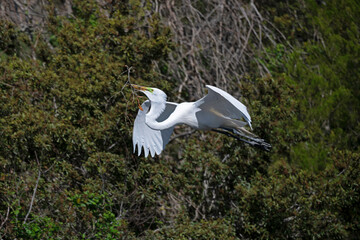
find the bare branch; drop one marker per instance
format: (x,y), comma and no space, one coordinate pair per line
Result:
(35,189)
(6,218)
(217,43)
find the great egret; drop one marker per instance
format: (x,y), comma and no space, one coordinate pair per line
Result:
(217,110)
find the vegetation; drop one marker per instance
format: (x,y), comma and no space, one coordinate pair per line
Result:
(67,168)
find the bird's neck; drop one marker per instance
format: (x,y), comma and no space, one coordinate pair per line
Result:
(155,111)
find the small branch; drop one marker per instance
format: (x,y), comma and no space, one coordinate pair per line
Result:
(6,84)
(225,158)
(112,145)
(55,107)
(128,80)
(6,218)
(35,189)
(182,135)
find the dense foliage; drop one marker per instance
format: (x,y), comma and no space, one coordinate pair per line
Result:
(66,163)
(323,65)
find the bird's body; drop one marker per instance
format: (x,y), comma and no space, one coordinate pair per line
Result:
(217,110)
(185,113)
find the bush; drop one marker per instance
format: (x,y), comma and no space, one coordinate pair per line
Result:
(66,161)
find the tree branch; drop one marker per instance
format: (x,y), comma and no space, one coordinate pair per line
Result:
(35,189)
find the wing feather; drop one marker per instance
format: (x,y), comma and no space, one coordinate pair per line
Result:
(223,103)
(152,141)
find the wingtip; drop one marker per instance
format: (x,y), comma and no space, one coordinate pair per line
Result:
(146,151)
(152,152)
(139,149)
(210,87)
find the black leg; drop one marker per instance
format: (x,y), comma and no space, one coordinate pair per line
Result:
(260,143)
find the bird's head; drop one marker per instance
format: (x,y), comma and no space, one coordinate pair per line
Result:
(153,94)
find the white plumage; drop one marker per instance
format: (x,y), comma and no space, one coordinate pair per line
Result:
(217,110)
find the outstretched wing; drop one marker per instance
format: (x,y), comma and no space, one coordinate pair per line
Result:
(153,141)
(223,103)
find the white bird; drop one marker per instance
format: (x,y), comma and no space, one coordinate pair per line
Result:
(217,110)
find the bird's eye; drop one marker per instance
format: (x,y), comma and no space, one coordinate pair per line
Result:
(150,90)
